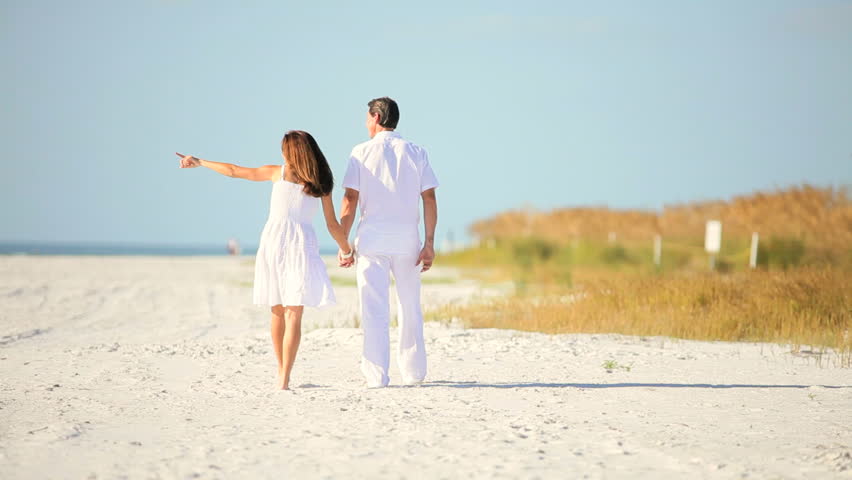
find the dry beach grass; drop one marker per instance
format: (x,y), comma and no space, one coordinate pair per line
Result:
(592,271)
(802,307)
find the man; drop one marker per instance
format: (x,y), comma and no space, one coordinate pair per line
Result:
(388,176)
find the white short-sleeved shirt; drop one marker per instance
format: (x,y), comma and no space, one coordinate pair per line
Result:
(389,173)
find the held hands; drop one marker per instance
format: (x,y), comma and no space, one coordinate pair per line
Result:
(346,259)
(426,257)
(188,161)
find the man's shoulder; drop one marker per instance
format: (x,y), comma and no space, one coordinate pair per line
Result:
(413,147)
(359,149)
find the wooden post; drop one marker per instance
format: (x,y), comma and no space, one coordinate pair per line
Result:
(658,249)
(713,240)
(752,258)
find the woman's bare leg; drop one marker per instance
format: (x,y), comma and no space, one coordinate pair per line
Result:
(276,328)
(292,337)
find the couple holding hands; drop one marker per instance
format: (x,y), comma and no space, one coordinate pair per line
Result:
(388,176)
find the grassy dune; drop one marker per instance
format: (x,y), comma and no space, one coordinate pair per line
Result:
(571,276)
(820,218)
(799,307)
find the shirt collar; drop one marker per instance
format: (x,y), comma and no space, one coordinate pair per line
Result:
(386,133)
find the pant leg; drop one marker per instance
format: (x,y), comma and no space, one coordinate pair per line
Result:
(412,348)
(373,276)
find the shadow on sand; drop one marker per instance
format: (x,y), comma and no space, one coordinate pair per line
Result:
(448,384)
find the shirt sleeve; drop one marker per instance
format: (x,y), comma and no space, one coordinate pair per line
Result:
(427,176)
(352,178)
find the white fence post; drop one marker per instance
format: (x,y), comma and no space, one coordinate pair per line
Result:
(752,258)
(713,240)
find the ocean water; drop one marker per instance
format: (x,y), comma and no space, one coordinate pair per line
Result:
(35,248)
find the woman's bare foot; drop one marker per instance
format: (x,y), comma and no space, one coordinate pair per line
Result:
(283,382)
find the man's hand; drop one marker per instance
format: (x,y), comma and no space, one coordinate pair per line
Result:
(426,257)
(347,261)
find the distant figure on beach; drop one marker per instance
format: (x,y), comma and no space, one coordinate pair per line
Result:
(389,176)
(233,247)
(288,270)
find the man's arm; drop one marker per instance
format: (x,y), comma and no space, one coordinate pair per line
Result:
(430,220)
(347,210)
(334,227)
(347,218)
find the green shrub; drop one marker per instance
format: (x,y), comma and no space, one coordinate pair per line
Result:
(781,252)
(614,255)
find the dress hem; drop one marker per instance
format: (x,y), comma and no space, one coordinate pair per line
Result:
(321,305)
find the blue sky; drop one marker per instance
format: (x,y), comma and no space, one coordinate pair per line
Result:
(542,104)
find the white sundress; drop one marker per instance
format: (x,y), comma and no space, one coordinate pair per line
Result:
(288,269)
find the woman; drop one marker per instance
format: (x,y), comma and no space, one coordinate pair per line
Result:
(288,271)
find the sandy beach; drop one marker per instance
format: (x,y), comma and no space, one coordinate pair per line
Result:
(160,367)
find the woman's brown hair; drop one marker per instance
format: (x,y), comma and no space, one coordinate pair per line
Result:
(307,163)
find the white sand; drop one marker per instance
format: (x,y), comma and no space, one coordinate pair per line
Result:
(161,368)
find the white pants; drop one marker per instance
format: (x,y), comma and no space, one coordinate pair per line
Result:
(373,274)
